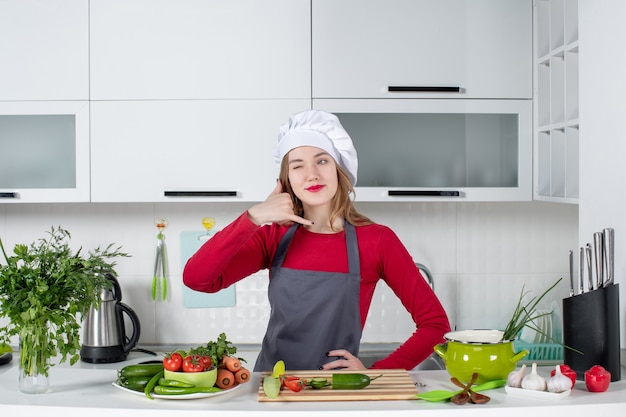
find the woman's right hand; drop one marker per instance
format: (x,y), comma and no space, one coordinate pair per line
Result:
(277,208)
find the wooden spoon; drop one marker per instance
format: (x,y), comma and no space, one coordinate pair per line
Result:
(475,397)
(463,396)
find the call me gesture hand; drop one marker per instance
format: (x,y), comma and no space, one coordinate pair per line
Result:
(277,208)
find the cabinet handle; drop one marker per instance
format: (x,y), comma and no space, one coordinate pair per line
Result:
(200,193)
(423,89)
(8,195)
(419,193)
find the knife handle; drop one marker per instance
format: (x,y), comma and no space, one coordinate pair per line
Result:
(599,259)
(581,271)
(608,235)
(589,267)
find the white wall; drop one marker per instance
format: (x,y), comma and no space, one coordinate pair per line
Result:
(480,254)
(602,130)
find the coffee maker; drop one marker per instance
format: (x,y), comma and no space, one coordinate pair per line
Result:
(104,330)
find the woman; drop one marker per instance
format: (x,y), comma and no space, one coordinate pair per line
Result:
(324,258)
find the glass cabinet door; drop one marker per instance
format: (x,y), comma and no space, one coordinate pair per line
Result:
(44,152)
(472,150)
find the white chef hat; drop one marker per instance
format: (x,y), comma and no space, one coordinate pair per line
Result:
(322,130)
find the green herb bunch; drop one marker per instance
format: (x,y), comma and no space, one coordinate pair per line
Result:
(525,313)
(45,290)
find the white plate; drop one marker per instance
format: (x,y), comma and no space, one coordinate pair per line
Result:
(180,397)
(530,393)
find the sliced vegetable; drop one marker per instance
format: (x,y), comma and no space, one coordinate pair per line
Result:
(318,383)
(294,384)
(279,369)
(271,386)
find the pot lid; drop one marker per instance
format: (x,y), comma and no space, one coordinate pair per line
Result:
(482,336)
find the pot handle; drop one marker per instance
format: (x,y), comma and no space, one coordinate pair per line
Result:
(441,349)
(134,338)
(519,355)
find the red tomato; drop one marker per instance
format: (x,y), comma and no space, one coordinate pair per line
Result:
(293,383)
(192,364)
(206,362)
(568,372)
(173,361)
(597,379)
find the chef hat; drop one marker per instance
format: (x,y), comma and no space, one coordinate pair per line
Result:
(322,130)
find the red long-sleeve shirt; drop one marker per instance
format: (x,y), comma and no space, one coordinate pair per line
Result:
(243,248)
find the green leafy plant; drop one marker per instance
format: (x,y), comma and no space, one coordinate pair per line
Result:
(525,313)
(45,289)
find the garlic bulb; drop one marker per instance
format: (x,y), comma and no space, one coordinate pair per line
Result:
(559,382)
(534,381)
(514,380)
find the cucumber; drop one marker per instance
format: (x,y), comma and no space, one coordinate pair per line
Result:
(136,383)
(351,381)
(131,371)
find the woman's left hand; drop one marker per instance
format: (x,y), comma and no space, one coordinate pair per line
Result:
(346,360)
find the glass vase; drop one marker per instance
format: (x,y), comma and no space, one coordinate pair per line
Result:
(34,361)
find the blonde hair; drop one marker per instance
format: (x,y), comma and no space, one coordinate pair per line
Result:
(341,204)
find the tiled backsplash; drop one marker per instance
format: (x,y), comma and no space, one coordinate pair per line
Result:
(480,254)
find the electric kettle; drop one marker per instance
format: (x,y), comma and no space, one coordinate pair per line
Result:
(104,331)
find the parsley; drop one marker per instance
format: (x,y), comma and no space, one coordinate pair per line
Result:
(45,289)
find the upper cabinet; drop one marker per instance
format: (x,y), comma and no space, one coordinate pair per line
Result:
(471,49)
(44,50)
(556,131)
(200,49)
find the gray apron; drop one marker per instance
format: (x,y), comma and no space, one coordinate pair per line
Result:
(312,312)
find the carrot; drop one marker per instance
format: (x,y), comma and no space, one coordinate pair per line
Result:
(242,375)
(225,378)
(231,363)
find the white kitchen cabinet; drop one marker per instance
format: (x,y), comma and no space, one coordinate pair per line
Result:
(556,129)
(422,48)
(186,150)
(44,50)
(44,151)
(439,150)
(200,49)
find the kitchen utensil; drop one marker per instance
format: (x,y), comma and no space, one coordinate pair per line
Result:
(608,235)
(463,396)
(589,267)
(394,384)
(104,331)
(571,273)
(443,395)
(478,351)
(474,397)
(195,396)
(581,270)
(599,259)
(160,263)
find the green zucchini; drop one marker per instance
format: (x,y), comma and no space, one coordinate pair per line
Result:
(351,381)
(165,390)
(131,371)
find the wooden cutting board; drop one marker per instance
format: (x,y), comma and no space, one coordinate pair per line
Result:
(394,384)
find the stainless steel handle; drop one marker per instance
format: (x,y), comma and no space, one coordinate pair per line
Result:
(608,235)
(599,259)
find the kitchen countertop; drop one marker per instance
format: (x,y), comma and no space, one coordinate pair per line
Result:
(85,389)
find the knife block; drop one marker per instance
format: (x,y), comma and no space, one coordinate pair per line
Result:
(591,326)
